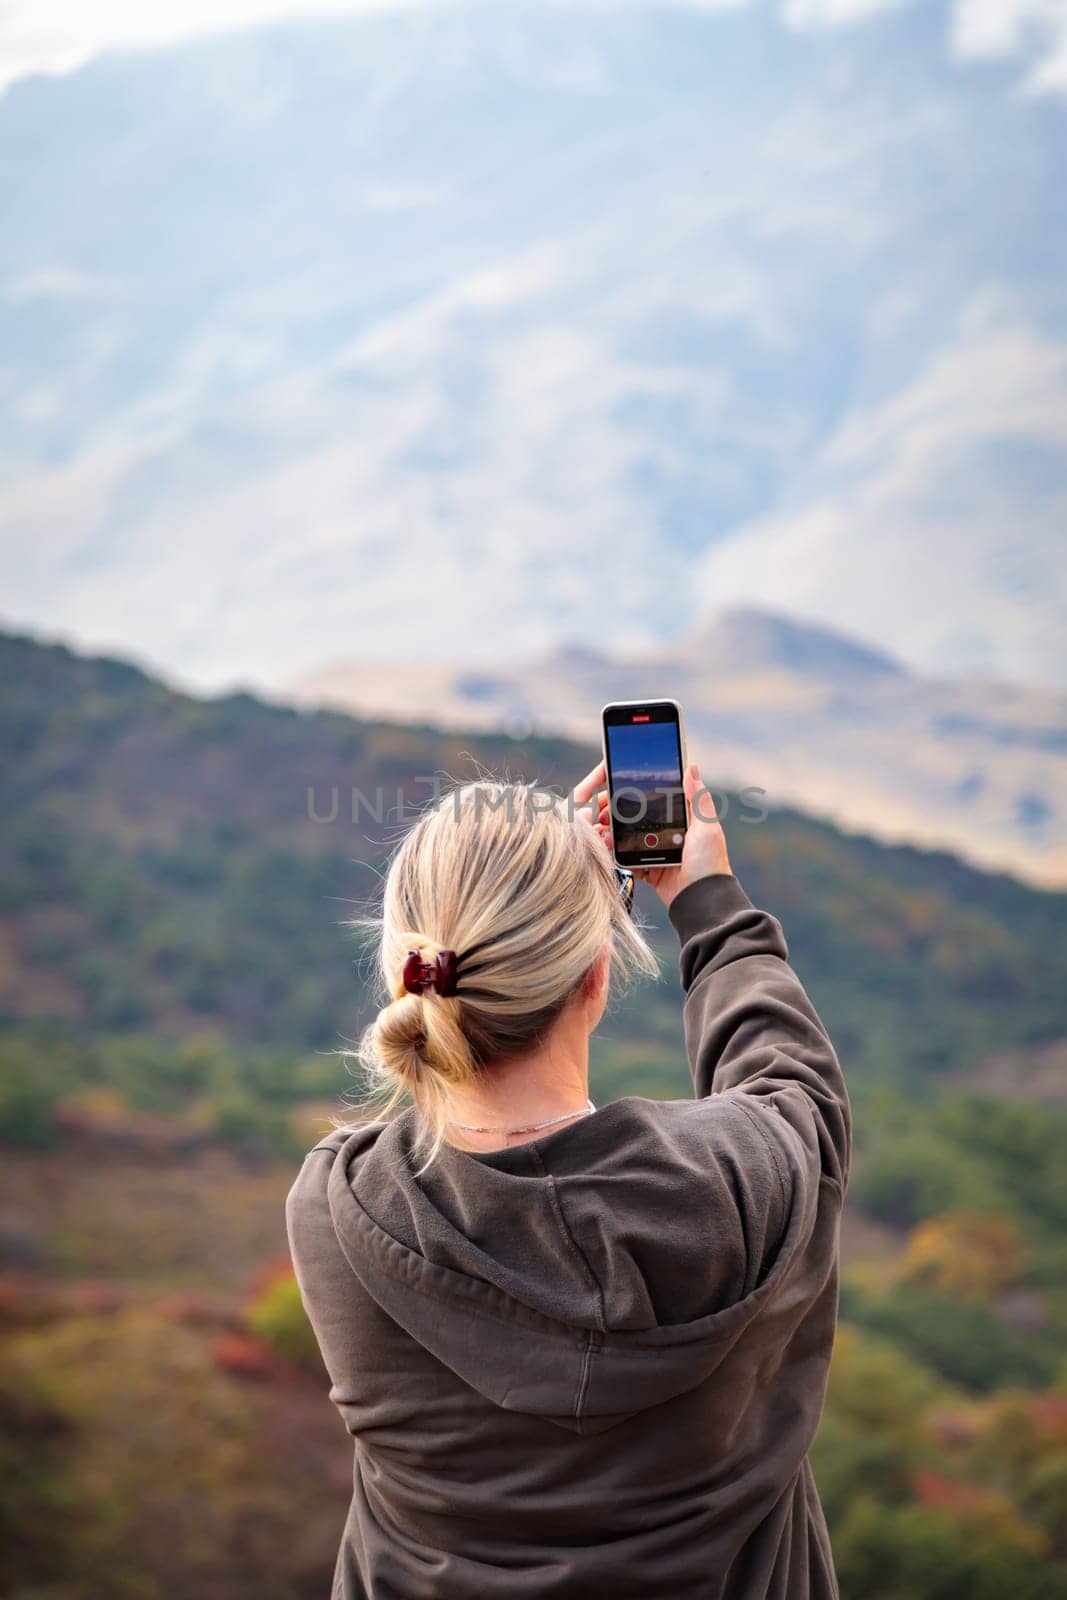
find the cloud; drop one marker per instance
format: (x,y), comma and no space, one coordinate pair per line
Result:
(597,336)
(900,534)
(815,14)
(58,36)
(59,282)
(460,471)
(994,30)
(978,30)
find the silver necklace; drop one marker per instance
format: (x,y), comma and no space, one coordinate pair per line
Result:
(531,1127)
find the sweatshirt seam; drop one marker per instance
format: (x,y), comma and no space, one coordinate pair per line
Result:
(753,1118)
(572,1243)
(591,1341)
(583,1379)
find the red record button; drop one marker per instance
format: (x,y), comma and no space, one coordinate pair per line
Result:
(652,840)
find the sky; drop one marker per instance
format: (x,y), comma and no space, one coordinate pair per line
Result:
(61,35)
(460,331)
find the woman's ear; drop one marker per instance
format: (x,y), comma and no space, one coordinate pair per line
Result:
(595,982)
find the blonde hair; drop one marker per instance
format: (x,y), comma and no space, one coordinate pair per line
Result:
(526,896)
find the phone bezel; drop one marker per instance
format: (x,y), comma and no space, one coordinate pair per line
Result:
(655,857)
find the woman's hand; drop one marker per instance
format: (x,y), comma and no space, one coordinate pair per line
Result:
(590,802)
(704,850)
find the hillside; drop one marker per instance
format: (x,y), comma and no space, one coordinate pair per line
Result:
(161,872)
(174,975)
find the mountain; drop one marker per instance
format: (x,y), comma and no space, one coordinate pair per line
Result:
(181,868)
(465,330)
(810,716)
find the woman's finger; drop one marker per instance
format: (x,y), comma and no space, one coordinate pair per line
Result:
(590,784)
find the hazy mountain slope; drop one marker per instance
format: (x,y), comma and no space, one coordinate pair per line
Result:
(162,871)
(478,328)
(810,716)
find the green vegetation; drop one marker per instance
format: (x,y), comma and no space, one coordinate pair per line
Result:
(931,1493)
(161,873)
(175,982)
(148,1462)
(277,1317)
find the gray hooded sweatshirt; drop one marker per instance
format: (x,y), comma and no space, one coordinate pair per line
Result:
(590,1367)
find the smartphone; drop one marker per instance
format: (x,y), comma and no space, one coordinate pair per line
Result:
(644,752)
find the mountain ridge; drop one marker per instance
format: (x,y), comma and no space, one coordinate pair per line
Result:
(813,716)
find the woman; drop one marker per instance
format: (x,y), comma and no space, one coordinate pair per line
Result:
(582,1353)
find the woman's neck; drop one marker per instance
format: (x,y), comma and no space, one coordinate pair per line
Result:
(524,1091)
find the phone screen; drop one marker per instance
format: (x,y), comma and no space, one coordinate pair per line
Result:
(643,750)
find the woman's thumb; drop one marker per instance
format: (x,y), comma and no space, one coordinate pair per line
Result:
(697,795)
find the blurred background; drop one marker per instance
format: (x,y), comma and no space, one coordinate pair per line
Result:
(383,388)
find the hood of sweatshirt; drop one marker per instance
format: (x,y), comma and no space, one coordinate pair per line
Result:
(587,1275)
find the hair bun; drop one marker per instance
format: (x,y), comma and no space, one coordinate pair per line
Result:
(400,1033)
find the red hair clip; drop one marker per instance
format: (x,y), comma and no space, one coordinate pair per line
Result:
(439,974)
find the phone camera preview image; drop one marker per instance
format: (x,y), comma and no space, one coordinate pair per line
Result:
(643,747)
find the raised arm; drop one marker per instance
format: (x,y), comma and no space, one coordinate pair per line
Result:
(749,1025)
